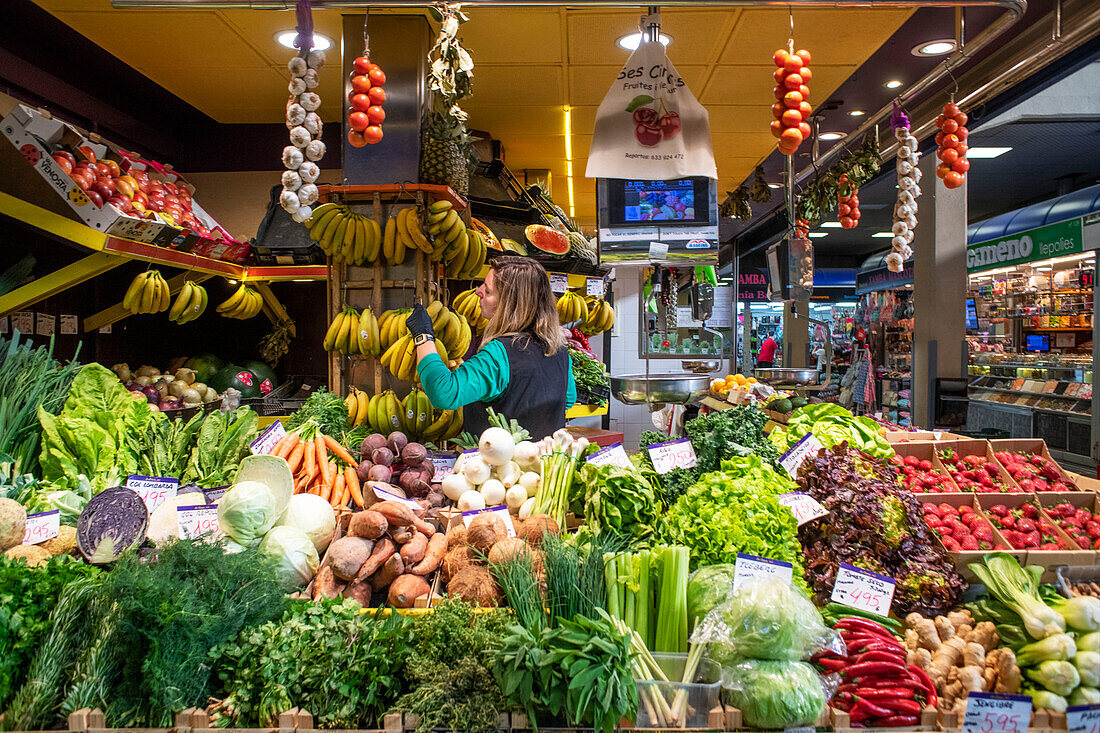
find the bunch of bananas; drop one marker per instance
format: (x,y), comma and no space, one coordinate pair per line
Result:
(601,316)
(462,250)
(452,339)
(190,303)
(467,304)
(572,308)
(352,332)
(344,235)
(413,415)
(392,326)
(243,304)
(404,233)
(148,293)
(401,360)
(451,329)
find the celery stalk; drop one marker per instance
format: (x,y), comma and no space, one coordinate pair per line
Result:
(629,589)
(644,602)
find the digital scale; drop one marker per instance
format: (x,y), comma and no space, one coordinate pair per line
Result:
(673,222)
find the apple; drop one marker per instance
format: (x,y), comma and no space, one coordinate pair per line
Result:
(104,189)
(95,198)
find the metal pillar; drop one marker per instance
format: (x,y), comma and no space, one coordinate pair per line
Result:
(796,334)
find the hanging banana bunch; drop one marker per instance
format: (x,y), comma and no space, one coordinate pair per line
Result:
(344,235)
(571,308)
(467,304)
(601,316)
(148,293)
(243,304)
(190,303)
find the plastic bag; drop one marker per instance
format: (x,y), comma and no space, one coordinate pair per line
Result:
(764,619)
(775,694)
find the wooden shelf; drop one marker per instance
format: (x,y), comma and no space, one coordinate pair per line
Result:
(1027,328)
(389,192)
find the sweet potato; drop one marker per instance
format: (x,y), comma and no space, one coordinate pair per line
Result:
(359,590)
(383,549)
(325,584)
(405,589)
(437,546)
(413,551)
(369,524)
(402,516)
(401,535)
(388,572)
(347,555)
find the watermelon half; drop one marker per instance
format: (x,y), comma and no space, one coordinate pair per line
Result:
(547,239)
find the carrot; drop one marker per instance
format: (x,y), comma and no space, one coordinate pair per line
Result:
(324,491)
(309,460)
(345,497)
(322,459)
(285,445)
(352,482)
(337,491)
(295,459)
(340,451)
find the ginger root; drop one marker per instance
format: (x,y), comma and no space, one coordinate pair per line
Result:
(1008,673)
(958,618)
(921,658)
(912,640)
(973,655)
(946,658)
(945,628)
(985,633)
(927,636)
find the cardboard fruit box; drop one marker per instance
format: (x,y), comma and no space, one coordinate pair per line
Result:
(1048,559)
(926,451)
(1086,500)
(977,447)
(963,558)
(1030,446)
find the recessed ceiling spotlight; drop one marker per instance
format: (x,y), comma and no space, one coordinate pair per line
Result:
(632,41)
(286,38)
(939,47)
(985,152)
(830,135)
(775,185)
(856,113)
(893,84)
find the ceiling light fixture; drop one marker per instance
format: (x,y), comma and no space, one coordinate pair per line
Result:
(631,41)
(569,159)
(882,235)
(986,152)
(893,84)
(818,235)
(830,135)
(831,225)
(286,38)
(775,185)
(939,47)
(856,113)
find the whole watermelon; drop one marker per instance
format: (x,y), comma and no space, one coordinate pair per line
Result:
(239,378)
(205,367)
(266,374)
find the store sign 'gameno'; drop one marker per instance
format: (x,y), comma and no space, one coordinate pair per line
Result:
(1043,243)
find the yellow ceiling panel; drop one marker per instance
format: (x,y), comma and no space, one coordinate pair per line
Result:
(739,145)
(504,36)
(842,36)
(221,87)
(739,118)
(589,84)
(697,35)
(502,121)
(505,85)
(750,85)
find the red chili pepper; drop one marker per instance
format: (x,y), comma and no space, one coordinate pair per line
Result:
(833,665)
(922,677)
(847,687)
(908,682)
(880,655)
(897,721)
(874,668)
(864,625)
(874,646)
(911,707)
(885,693)
(873,709)
(842,696)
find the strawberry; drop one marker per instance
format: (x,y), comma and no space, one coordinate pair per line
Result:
(1048,546)
(1083,516)
(1030,511)
(1092,527)
(1084,542)
(950,544)
(999,509)
(984,533)
(969,543)
(912,461)
(1025,525)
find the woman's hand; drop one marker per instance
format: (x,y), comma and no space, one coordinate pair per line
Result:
(419,322)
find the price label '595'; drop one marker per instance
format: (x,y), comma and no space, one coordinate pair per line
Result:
(987,712)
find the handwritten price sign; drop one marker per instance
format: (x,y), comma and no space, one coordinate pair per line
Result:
(212,495)
(195,521)
(559,282)
(594,286)
(800,451)
(42,527)
(804,507)
(500,511)
(864,590)
(673,454)
(268,439)
(387,496)
(1083,718)
(613,454)
(750,568)
(987,712)
(444,465)
(153,491)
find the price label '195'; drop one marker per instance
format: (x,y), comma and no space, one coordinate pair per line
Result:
(195,521)
(153,490)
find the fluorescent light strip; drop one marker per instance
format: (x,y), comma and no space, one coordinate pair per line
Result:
(882,235)
(985,152)
(831,225)
(569,160)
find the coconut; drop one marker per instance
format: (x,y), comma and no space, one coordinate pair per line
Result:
(457,560)
(536,527)
(485,531)
(456,537)
(475,585)
(507,549)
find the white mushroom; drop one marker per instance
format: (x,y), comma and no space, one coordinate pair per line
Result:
(292,157)
(291,180)
(309,172)
(315,150)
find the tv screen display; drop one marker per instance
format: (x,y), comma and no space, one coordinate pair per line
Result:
(1038,342)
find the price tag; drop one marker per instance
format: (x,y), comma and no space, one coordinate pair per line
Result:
(70,325)
(673,454)
(863,589)
(800,451)
(748,568)
(152,490)
(937,434)
(42,527)
(559,282)
(594,286)
(988,712)
(500,511)
(23,321)
(105,329)
(194,521)
(212,495)
(1083,719)
(268,439)
(46,324)
(387,496)
(444,465)
(804,507)
(658,250)
(613,454)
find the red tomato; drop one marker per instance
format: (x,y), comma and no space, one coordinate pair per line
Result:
(780,57)
(847,222)
(961,149)
(792,63)
(360,83)
(779,75)
(962,133)
(853,201)
(805,109)
(377,77)
(843,210)
(793,82)
(791,136)
(806,74)
(373,134)
(962,165)
(779,91)
(855,213)
(949,155)
(804,128)
(939,138)
(356,139)
(376,114)
(940,120)
(791,118)
(360,102)
(792,99)
(961,118)
(950,140)
(777,128)
(803,54)
(951,109)
(951,179)
(942,169)
(804,91)
(62,163)
(361,65)
(787,149)
(950,126)
(777,109)
(358,121)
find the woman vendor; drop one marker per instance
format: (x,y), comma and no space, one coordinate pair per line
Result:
(522,367)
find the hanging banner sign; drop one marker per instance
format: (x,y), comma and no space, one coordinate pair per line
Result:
(650,125)
(1043,243)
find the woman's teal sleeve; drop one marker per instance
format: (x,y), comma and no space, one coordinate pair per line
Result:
(571,387)
(481,378)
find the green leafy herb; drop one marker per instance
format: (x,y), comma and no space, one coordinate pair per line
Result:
(590,373)
(620,501)
(220,444)
(324,408)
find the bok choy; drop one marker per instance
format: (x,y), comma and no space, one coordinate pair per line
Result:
(1019,590)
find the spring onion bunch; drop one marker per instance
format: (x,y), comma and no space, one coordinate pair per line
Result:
(559,454)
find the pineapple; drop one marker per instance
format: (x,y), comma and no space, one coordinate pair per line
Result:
(444,154)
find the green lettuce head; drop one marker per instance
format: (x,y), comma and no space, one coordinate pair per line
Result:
(775,694)
(247,512)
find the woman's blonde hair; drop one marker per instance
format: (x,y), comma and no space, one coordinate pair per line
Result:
(525,304)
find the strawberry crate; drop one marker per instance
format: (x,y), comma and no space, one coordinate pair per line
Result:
(974,469)
(921,472)
(1047,547)
(1038,472)
(1077,514)
(943,512)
